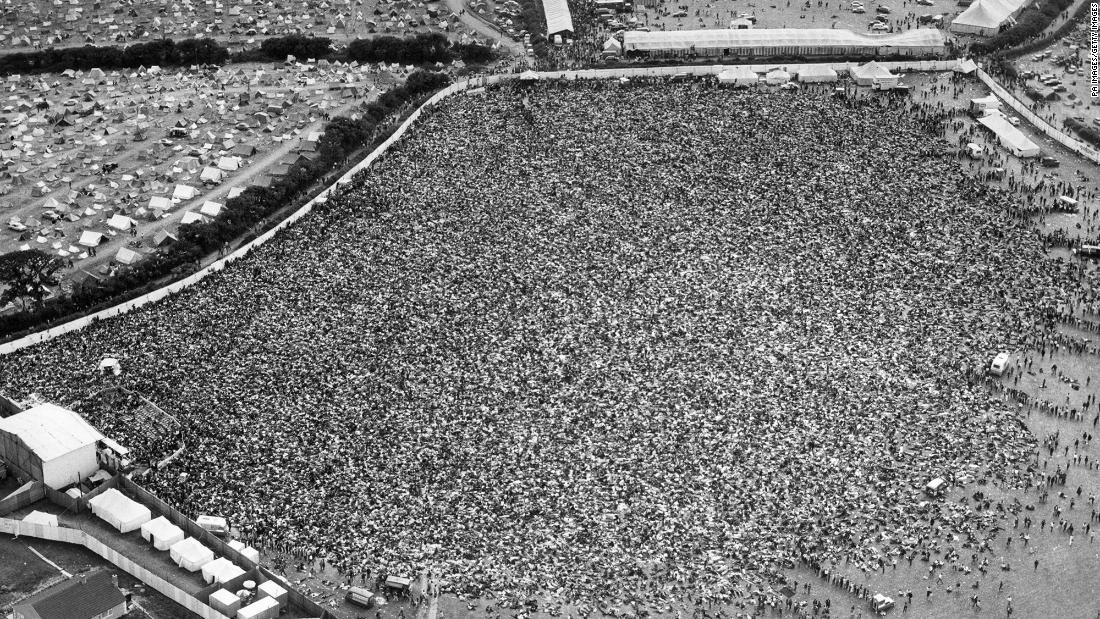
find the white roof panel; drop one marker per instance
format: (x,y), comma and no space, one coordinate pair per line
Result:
(558,18)
(50,431)
(777,37)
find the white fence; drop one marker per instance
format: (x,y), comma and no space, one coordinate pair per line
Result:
(157,295)
(1074,145)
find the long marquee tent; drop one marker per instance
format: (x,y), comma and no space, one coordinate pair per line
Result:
(783,42)
(558,18)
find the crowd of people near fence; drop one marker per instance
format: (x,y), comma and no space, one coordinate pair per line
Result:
(626,343)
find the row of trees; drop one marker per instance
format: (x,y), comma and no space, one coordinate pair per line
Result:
(163,52)
(1029,24)
(1087,132)
(418,49)
(25,275)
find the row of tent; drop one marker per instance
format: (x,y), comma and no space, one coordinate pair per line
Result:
(864,75)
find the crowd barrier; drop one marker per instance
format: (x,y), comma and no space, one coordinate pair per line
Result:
(170,289)
(1020,108)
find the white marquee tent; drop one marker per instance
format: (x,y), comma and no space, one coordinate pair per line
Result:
(985,17)
(190,554)
(784,41)
(161,532)
(120,511)
(867,74)
(777,76)
(738,76)
(816,73)
(1010,137)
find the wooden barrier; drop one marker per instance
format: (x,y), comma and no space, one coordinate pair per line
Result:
(33,494)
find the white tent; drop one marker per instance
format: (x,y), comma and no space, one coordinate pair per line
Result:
(213,568)
(161,532)
(985,17)
(816,73)
(738,76)
(90,239)
(37,517)
(1010,137)
(126,256)
(191,217)
(783,41)
(263,608)
(211,175)
(184,192)
(229,164)
(867,74)
(160,203)
(211,209)
(777,76)
(190,554)
(612,45)
(120,511)
(121,222)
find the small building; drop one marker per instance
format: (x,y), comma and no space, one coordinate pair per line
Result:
(87,596)
(50,444)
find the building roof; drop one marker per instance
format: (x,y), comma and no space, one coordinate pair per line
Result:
(558,18)
(50,431)
(777,37)
(80,597)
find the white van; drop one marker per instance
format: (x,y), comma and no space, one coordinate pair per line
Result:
(1067,204)
(999,365)
(974,151)
(936,487)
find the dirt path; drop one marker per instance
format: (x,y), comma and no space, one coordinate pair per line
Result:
(482,27)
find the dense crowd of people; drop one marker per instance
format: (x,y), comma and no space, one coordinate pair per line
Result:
(641,342)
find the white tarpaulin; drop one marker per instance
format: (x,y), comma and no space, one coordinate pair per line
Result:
(1010,137)
(120,511)
(161,532)
(190,554)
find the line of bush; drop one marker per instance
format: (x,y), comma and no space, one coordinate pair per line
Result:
(243,216)
(418,49)
(1029,24)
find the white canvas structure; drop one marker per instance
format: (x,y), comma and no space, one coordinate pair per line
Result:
(162,533)
(160,203)
(985,17)
(777,76)
(42,518)
(184,192)
(784,42)
(811,73)
(871,72)
(213,568)
(190,554)
(1010,137)
(558,18)
(229,164)
(738,76)
(981,104)
(271,589)
(211,175)
(50,444)
(966,65)
(121,222)
(612,45)
(211,209)
(89,238)
(225,602)
(191,217)
(120,511)
(126,256)
(263,608)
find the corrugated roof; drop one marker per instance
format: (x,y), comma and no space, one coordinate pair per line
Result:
(777,37)
(80,597)
(50,431)
(558,18)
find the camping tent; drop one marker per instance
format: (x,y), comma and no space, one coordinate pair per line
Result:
(89,238)
(119,511)
(184,192)
(160,203)
(229,164)
(211,175)
(985,17)
(1010,137)
(191,217)
(816,73)
(777,76)
(126,256)
(738,76)
(161,532)
(121,222)
(190,554)
(871,72)
(211,209)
